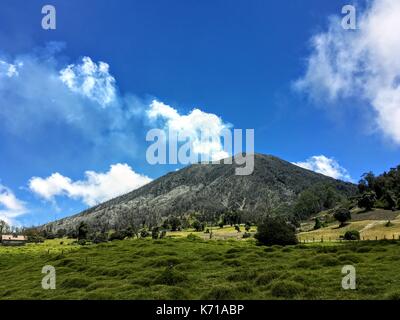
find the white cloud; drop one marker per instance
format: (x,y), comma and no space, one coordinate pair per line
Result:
(43,96)
(326,166)
(90,80)
(96,188)
(10,206)
(362,64)
(204,129)
(8,69)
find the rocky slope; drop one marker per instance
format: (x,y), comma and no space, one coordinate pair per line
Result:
(207,188)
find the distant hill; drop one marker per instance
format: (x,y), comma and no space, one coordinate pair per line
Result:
(210,189)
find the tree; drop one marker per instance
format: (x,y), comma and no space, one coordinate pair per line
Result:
(367,200)
(3,226)
(198,226)
(342,215)
(83,231)
(175,223)
(318,224)
(275,231)
(61,233)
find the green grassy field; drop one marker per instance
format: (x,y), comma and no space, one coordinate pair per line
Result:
(180,268)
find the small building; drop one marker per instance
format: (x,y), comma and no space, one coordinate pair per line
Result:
(13,240)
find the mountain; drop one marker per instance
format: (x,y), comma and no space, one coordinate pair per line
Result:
(209,189)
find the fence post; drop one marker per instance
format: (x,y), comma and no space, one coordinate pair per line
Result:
(376,238)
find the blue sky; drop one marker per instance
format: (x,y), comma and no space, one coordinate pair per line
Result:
(252,64)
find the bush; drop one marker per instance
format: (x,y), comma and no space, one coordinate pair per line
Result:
(352,235)
(221,224)
(275,231)
(237,228)
(247,227)
(82,242)
(246,235)
(144,233)
(389,224)
(155,233)
(342,215)
(100,238)
(117,235)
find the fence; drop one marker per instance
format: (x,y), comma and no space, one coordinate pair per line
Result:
(330,239)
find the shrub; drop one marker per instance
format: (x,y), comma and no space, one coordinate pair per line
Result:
(144,233)
(342,215)
(100,237)
(117,235)
(221,224)
(275,231)
(246,235)
(352,235)
(247,227)
(237,228)
(82,242)
(155,233)
(286,289)
(163,234)
(389,224)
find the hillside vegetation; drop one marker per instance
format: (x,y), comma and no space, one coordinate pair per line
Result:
(197,269)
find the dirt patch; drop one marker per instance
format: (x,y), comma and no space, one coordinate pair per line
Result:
(377,214)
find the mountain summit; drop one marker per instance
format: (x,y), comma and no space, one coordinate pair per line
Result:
(209,189)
